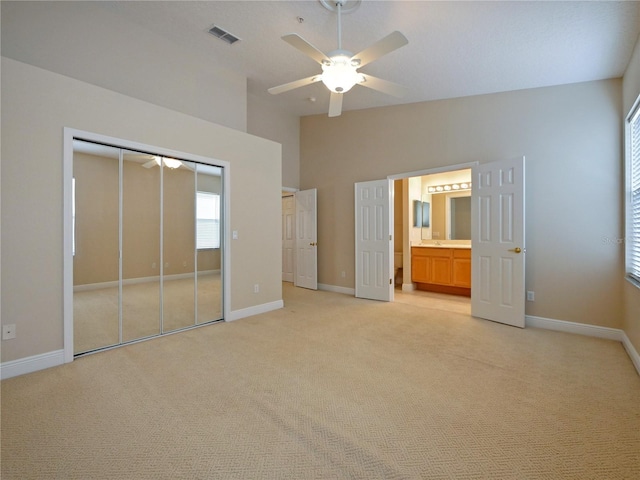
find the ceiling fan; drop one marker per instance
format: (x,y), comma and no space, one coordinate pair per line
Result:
(171,163)
(340,67)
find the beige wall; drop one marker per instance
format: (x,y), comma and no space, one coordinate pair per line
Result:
(85,41)
(631,293)
(268,121)
(36,106)
(570,136)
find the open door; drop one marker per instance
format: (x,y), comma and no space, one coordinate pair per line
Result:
(497,230)
(306,239)
(373,240)
(288,237)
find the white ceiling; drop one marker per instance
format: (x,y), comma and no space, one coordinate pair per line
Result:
(456,48)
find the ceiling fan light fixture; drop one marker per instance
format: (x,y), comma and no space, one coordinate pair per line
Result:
(340,67)
(172,163)
(340,76)
(168,162)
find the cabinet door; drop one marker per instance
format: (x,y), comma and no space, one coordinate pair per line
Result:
(420,268)
(462,272)
(461,268)
(441,270)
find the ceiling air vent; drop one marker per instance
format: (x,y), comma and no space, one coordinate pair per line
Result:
(222,34)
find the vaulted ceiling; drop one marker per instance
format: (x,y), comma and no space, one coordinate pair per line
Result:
(456,48)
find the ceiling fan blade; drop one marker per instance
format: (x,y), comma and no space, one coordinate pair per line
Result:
(150,163)
(305,47)
(386,45)
(335,104)
(296,84)
(383,86)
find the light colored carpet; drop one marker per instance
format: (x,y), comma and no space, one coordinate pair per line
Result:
(332,387)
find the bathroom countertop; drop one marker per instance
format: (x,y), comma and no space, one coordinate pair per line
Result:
(450,245)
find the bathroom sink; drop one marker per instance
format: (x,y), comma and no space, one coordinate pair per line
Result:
(443,245)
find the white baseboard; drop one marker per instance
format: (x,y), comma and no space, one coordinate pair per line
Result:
(336,289)
(588,330)
(573,327)
(255,310)
(31,364)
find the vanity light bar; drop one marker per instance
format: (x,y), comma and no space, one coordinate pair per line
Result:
(452,187)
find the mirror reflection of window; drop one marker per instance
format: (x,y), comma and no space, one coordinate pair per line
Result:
(209,233)
(207,220)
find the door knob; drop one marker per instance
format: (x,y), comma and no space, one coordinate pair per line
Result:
(313,244)
(517,250)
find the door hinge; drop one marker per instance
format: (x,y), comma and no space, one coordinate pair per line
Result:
(390,281)
(390,237)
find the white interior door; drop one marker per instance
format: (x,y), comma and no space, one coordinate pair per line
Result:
(306,239)
(373,240)
(497,230)
(288,237)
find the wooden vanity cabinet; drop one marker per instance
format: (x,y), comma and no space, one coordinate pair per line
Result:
(461,267)
(445,270)
(420,266)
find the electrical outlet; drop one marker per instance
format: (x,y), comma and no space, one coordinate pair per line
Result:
(531,296)
(9,331)
(343,274)
(256,288)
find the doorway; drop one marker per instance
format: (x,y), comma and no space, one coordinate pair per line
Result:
(497,260)
(146,238)
(300,238)
(288,236)
(432,216)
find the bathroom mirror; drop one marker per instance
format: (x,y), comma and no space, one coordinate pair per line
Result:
(450,216)
(458,216)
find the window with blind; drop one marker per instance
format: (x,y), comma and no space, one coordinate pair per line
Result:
(207,220)
(633,193)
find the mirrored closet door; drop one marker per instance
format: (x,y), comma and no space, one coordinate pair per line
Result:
(140,239)
(146,245)
(95,246)
(208,237)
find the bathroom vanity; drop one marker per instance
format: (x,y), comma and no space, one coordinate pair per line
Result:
(442,268)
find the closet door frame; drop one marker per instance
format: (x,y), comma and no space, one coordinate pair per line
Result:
(71,134)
